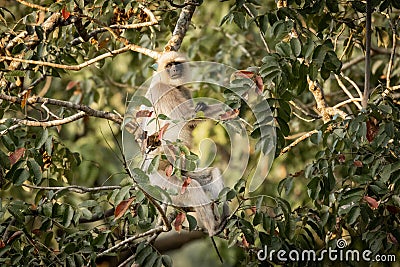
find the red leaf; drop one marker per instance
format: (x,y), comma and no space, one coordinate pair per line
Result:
(253,209)
(186,183)
(16,155)
(357,163)
(14,236)
(244,73)
(392,239)
(372,129)
(2,245)
(162,131)
(230,114)
(143,113)
(373,204)
(168,170)
(71,85)
(25,97)
(244,242)
(122,208)
(393,209)
(341,158)
(180,218)
(260,84)
(65,14)
(36,231)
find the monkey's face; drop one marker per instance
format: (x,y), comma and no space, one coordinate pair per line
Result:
(175,70)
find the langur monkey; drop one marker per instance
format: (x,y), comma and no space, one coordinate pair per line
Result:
(170,97)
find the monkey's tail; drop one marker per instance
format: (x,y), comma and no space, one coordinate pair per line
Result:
(216,249)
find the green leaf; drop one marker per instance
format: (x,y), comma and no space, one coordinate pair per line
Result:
(67,216)
(35,171)
(20,176)
(239,19)
(353,214)
(283,49)
(192,222)
(44,134)
(4,160)
(122,194)
(15,73)
(140,176)
(154,164)
(143,254)
(137,101)
(150,260)
(166,260)
(100,240)
(18,48)
(295,45)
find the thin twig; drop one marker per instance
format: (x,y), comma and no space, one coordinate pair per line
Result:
(46,9)
(390,64)
(352,83)
(297,141)
(74,188)
(344,88)
(262,35)
(351,100)
(130,239)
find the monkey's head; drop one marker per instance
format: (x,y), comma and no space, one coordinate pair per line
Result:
(172,71)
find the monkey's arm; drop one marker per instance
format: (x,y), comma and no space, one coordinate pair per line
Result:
(210,111)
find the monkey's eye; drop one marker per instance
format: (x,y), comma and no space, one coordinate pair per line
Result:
(171,64)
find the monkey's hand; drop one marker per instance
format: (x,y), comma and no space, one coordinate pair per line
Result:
(201,106)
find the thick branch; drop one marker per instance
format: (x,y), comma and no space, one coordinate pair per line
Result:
(322,107)
(19,122)
(88,111)
(181,27)
(132,47)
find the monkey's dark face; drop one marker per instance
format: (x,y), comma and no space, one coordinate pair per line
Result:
(175,70)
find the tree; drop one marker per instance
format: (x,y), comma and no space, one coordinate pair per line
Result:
(327,69)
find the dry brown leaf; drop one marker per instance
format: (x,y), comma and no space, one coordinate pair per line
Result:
(180,218)
(16,155)
(122,208)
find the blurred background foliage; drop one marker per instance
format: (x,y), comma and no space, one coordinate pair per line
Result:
(341,182)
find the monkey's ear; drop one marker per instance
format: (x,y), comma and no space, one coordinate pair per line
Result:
(154,66)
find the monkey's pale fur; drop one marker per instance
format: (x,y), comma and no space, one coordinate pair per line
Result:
(170,97)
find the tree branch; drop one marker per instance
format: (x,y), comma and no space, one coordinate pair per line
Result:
(182,25)
(19,122)
(130,239)
(391,60)
(297,141)
(74,188)
(322,107)
(31,5)
(344,88)
(88,111)
(132,47)
(367,55)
